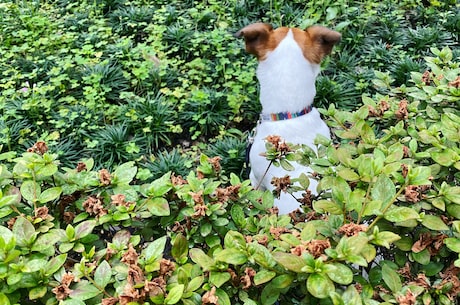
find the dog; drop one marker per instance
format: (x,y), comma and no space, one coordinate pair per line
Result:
(289,62)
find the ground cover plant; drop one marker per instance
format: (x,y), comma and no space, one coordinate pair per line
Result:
(106,195)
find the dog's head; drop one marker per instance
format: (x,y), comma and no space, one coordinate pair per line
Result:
(315,41)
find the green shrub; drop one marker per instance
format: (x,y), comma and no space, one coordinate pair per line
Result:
(384,227)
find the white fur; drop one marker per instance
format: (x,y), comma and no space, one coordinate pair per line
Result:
(287,83)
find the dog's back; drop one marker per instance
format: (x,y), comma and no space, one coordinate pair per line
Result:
(289,62)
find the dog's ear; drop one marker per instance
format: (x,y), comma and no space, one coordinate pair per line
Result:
(322,39)
(256,37)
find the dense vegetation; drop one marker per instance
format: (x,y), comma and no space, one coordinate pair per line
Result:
(113,113)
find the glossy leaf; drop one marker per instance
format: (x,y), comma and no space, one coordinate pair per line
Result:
(50,194)
(319,285)
(289,261)
(400,214)
(103,274)
(84,290)
(391,278)
(158,206)
(174,295)
(434,223)
(85,228)
(231,256)
(339,273)
(263,276)
(199,257)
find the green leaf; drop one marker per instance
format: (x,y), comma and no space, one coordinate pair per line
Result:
(423,257)
(327,206)
(47,170)
(445,158)
(434,223)
(261,255)
(24,232)
(50,194)
(339,273)
(351,296)
(195,283)
(237,214)
(282,281)
(222,296)
(348,174)
(231,256)
(85,228)
(175,294)
(452,193)
(205,229)
(55,264)
(289,261)
(199,257)
(391,278)
(37,292)
(400,214)
(158,206)
(319,285)
(383,190)
(9,200)
(155,250)
(286,165)
(385,238)
(218,278)
(419,176)
(453,244)
(160,186)
(30,190)
(124,173)
(269,295)
(263,276)
(103,274)
(308,232)
(179,249)
(4,299)
(235,240)
(84,290)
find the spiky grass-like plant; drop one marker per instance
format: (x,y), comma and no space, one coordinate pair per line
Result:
(131,21)
(232,150)
(108,77)
(152,120)
(169,161)
(205,112)
(113,145)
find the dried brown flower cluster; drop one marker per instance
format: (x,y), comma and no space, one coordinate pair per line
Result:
(38,148)
(81,167)
(138,288)
(315,247)
(281,184)
(448,277)
(120,200)
(455,83)
(381,108)
(401,113)
(352,229)
(210,297)
(94,206)
(63,290)
(247,278)
(104,177)
(279,144)
(215,163)
(426,78)
(430,242)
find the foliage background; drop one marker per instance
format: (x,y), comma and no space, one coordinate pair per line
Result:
(142,88)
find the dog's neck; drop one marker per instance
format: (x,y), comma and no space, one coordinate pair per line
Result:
(287,78)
